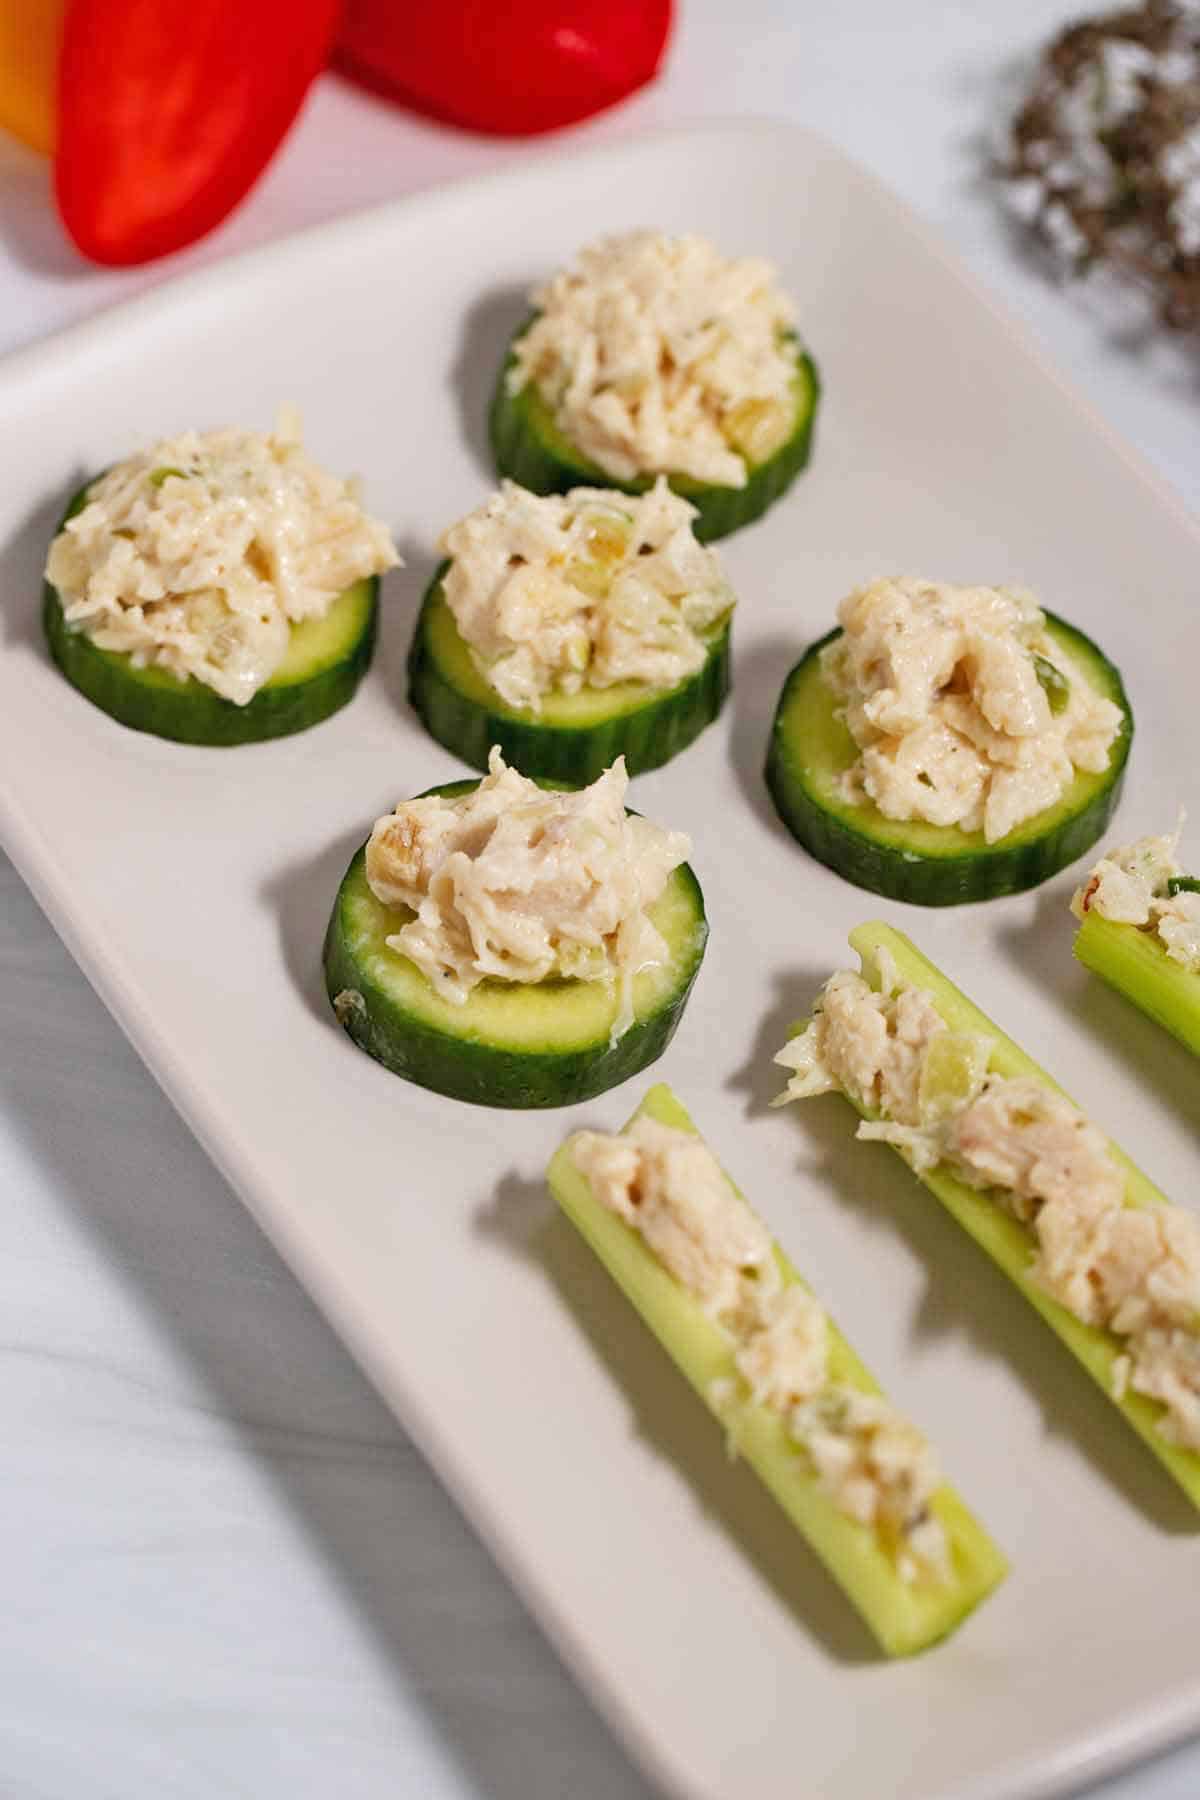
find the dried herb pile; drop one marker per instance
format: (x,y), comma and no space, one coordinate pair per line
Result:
(1104,156)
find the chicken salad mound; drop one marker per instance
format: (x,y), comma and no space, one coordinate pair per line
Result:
(199,554)
(965,711)
(1144,884)
(657,354)
(559,592)
(511,882)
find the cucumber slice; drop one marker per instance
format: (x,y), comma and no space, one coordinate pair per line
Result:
(1009,1243)
(574,737)
(528,446)
(1136,963)
(507,1045)
(904,1616)
(929,865)
(325,661)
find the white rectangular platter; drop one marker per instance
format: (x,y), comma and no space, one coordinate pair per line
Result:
(193,886)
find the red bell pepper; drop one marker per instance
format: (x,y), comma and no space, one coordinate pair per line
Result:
(168,113)
(512,67)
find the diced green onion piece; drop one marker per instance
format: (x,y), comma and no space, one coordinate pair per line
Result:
(952,1073)
(1053,683)
(1183,884)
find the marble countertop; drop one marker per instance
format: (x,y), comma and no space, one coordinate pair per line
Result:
(227,1570)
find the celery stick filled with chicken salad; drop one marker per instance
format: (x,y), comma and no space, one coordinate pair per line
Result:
(217,588)
(516,946)
(657,355)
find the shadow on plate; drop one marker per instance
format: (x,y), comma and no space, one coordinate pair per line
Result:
(759,675)
(400,603)
(671,1419)
(302,897)
(760,1078)
(1040,952)
(968,1298)
(486,335)
(291,1405)
(29,223)
(23,560)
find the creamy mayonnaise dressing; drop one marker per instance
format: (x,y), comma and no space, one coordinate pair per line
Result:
(939,687)
(555,592)
(658,354)
(667,1185)
(1134,1271)
(512,883)
(1130,886)
(200,553)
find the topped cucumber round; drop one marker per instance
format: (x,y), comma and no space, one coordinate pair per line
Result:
(573,738)
(652,354)
(508,1043)
(325,661)
(811,751)
(529,447)
(571,629)
(196,598)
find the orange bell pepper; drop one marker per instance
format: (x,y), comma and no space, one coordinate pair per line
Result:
(30,32)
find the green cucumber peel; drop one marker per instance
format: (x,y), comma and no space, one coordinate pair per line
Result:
(1136,963)
(905,1617)
(1010,1244)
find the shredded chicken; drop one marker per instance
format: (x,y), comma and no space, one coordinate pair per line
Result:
(946,692)
(513,883)
(1131,887)
(667,1185)
(784,1357)
(556,592)
(199,554)
(879,1047)
(657,355)
(1134,1271)
(878,1468)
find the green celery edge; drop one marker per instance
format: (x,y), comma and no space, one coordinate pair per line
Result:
(1009,1244)
(904,1617)
(1136,963)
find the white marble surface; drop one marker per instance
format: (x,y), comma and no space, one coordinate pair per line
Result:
(226,1570)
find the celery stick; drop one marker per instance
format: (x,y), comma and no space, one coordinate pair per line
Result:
(1136,963)
(1010,1244)
(904,1616)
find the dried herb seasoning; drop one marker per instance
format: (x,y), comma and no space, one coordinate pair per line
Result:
(1103,158)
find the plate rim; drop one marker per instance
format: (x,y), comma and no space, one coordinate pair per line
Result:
(1139,1732)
